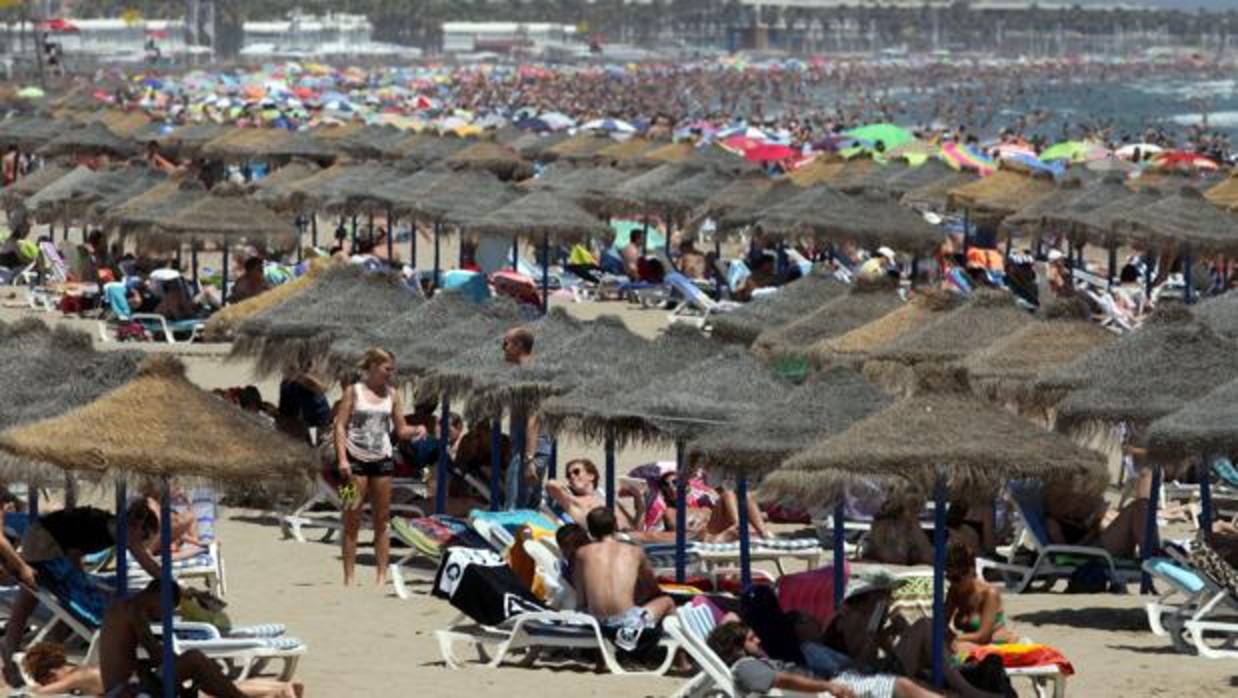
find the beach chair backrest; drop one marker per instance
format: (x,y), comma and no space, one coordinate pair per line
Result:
(1027,496)
(737,273)
(204,503)
(1225,471)
(57,268)
(698,648)
(115,294)
(690,291)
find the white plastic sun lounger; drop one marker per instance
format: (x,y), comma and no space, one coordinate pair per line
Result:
(330,519)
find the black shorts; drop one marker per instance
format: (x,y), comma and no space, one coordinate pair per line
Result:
(378,468)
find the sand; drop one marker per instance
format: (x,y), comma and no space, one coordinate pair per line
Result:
(365,641)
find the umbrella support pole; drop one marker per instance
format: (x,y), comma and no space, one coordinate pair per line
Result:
(644,243)
(412,245)
(1186,277)
(353,249)
(1113,266)
(70,491)
(681,515)
(915,270)
(552,467)
(370,228)
(1147,275)
(966,230)
(390,238)
(178,253)
(496,462)
(719,282)
(939,580)
(193,263)
(1079,264)
(300,226)
(440,477)
(223,285)
(840,553)
(1151,541)
(438,235)
(314,230)
(745,549)
(667,245)
(32,500)
(780,261)
(514,496)
(166,605)
(610,469)
(545,273)
(1009,245)
(122,537)
(515,253)
(1205,498)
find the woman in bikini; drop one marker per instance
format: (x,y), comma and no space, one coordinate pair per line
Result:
(973,606)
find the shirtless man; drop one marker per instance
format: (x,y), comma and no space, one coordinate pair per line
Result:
(632,253)
(579,495)
(618,586)
(126,626)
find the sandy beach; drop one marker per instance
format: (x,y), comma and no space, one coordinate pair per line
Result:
(366,641)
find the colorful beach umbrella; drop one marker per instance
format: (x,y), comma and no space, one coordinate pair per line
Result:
(1182,160)
(1127,152)
(1074,151)
(963,157)
(770,152)
(609,126)
(890,135)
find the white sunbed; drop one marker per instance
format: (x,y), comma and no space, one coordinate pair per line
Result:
(1213,627)
(207,565)
(331,519)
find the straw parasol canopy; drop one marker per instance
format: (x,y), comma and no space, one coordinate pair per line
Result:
(767,434)
(975,445)
(1096,213)
(1004,370)
(499,160)
(474,370)
(297,333)
(667,153)
(712,156)
(735,194)
(858,344)
(223,323)
(588,187)
(240,144)
(748,209)
(424,150)
(461,197)
(16,193)
(683,405)
(1225,194)
(173,429)
(581,147)
(1000,194)
(539,213)
(93,138)
(533,145)
(277,189)
(821,170)
(435,340)
(790,303)
(985,318)
(1143,376)
(588,408)
(864,303)
(871,217)
(188,140)
(34,360)
(683,196)
(349,189)
(634,194)
(27,133)
(371,142)
(1186,218)
(1204,427)
(932,172)
(1219,313)
(217,216)
(933,194)
(625,153)
(1036,216)
(84,193)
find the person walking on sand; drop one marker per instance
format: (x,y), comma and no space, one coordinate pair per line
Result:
(369,412)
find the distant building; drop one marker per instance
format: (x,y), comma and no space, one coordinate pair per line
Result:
(505,37)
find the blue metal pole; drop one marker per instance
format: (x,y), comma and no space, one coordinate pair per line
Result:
(1205,498)
(519,431)
(939,581)
(1113,265)
(496,463)
(840,553)
(515,253)
(719,282)
(745,553)
(412,244)
(552,468)
(545,273)
(223,284)
(122,538)
(681,516)
(165,587)
(32,501)
(1186,277)
(438,234)
(610,470)
(1147,275)
(1150,538)
(314,229)
(440,480)
(390,237)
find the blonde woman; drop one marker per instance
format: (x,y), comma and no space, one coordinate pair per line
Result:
(369,412)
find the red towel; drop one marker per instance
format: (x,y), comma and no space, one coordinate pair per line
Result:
(1015,656)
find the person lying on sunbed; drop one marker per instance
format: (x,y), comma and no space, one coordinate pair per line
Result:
(580,494)
(713,512)
(617,585)
(54,674)
(896,537)
(185,540)
(756,674)
(1076,514)
(973,606)
(127,626)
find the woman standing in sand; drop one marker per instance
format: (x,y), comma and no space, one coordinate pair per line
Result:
(368,413)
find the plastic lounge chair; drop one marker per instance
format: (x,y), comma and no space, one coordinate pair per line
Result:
(324,510)
(689,628)
(695,307)
(1211,636)
(114,295)
(426,538)
(1189,591)
(1051,562)
(207,565)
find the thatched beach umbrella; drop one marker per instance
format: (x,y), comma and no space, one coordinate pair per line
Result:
(539,214)
(499,160)
(277,189)
(219,216)
(735,194)
(85,193)
(533,145)
(822,170)
(1035,216)
(908,179)
(371,142)
(579,148)
(857,345)
(297,333)
(17,192)
(790,303)
(188,140)
(28,133)
(782,425)
(748,210)
(588,187)
(1205,427)
(1219,313)
(241,144)
(862,304)
(1000,194)
(424,150)
(667,153)
(1097,212)
(459,197)
(633,194)
(1004,370)
(689,193)
(93,138)
(304,145)
(871,218)
(223,323)
(1225,194)
(934,194)
(625,154)
(985,318)
(433,340)
(1187,220)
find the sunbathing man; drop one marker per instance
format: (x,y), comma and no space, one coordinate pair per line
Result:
(580,495)
(54,547)
(618,586)
(126,627)
(54,674)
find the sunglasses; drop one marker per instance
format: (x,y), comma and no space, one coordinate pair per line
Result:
(576,471)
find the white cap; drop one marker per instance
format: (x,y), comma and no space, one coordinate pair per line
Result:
(1055,255)
(886,252)
(932,218)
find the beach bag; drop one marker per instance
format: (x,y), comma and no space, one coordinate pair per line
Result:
(1090,578)
(130,332)
(479,584)
(202,607)
(989,675)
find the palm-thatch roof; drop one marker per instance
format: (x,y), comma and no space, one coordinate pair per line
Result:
(861,305)
(712,156)
(1204,427)
(667,153)
(218,216)
(1004,370)
(146,211)
(297,333)
(735,194)
(300,144)
(933,194)
(537,214)
(633,194)
(789,304)
(1186,218)
(1219,313)
(626,153)
(371,142)
(588,187)
(932,172)
(977,447)
(277,189)
(223,323)
(435,340)
(747,209)
(1144,376)
(587,409)
(92,138)
(424,150)
(767,434)
(1035,216)
(1095,213)
(499,160)
(858,344)
(579,148)
(176,429)
(187,141)
(239,144)
(34,360)
(1000,194)
(28,133)
(345,189)
(533,145)
(461,198)
(683,196)
(17,192)
(1225,194)
(685,404)
(85,193)
(871,217)
(821,170)
(985,318)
